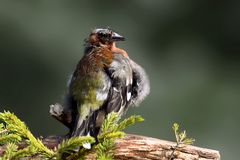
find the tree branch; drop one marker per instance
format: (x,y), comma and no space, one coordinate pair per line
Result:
(141,147)
(130,147)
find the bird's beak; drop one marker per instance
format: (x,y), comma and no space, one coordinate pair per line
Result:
(117,37)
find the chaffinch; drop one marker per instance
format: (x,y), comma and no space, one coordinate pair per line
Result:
(105,80)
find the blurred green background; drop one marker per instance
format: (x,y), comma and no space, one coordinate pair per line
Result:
(190,49)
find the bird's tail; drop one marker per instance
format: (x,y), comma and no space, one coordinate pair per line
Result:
(81,128)
(86,127)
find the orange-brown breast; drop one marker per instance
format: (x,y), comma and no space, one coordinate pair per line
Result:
(98,59)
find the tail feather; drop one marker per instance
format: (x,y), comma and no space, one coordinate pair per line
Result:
(80,127)
(87,145)
(88,126)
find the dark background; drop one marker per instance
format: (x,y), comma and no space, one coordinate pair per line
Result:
(190,49)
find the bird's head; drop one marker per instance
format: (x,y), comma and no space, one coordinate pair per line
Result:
(104,37)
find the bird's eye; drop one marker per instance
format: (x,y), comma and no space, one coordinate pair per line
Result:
(104,35)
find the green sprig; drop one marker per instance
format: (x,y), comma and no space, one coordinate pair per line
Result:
(111,130)
(181,138)
(20,130)
(11,149)
(13,131)
(72,144)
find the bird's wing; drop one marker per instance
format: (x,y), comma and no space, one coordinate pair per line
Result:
(140,85)
(119,95)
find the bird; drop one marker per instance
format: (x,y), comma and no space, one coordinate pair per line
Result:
(105,80)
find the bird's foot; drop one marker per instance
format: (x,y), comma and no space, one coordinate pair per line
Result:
(56,110)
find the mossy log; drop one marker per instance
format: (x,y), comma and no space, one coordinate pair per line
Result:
(141,147)
(131,146)
(144,148)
